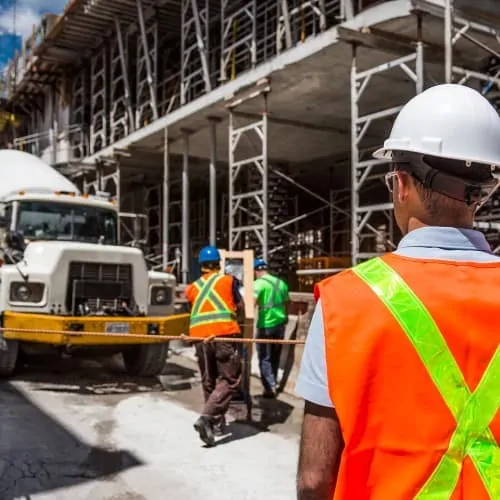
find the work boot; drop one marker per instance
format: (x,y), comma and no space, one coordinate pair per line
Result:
(270,393)
(204,428)
(219,426)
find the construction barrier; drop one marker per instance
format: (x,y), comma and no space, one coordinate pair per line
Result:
(160,339)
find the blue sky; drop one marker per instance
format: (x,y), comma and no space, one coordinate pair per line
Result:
(28,12)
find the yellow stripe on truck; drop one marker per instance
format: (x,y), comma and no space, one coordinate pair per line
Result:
(57,330)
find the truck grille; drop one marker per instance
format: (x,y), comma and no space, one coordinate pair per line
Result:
(99,285)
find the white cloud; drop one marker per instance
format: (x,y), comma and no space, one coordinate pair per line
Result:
(28,13)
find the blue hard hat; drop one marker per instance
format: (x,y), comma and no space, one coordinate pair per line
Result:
(208,254)
(259,264)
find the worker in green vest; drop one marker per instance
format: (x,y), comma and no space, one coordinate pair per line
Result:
(271,297)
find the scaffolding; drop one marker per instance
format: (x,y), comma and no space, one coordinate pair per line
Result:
(152,61)
(373,228)
(248,210)
(99,100)
(147,69)
(121,119)
(371,220)
(195,69)
(79,111)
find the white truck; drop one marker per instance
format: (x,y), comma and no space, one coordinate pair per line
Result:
(63,272)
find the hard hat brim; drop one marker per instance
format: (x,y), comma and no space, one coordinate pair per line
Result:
(382,154)
(386,154)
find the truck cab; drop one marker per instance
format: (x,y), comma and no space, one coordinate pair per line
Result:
(45,224)
(63,270)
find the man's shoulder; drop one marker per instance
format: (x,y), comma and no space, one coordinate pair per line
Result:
(337,281)
(260,282)
(228,278)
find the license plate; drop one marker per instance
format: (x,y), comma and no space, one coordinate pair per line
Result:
(117,328)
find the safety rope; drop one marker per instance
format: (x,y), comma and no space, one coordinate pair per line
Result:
(156,338)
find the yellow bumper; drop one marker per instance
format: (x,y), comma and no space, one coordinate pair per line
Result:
(64,330)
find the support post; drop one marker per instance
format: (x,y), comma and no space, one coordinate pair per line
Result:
(265,182)
(123,62)
(213,184)
(354,159)
(284,26)
(118,184)
(195,70)
(78,114)
(99,98)
(347,9)
(248,208)
(238,37)
(448,41)
(185,208)
(147,60)
(166,199)
(54,128)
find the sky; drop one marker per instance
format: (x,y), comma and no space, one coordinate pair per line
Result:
(28,13)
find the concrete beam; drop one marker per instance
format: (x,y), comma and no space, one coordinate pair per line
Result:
(394,43)
(382,13)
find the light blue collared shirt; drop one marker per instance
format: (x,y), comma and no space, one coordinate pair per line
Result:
(443,243)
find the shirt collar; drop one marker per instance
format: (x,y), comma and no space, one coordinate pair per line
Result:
(446,237)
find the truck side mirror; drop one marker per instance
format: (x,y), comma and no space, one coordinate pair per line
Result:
(15,241)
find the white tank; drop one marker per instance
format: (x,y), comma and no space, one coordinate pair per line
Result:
(21,171)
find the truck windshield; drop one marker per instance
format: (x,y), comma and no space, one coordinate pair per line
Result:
(45,220)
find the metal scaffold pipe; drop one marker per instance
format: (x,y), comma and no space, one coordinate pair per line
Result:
(213,183)
(185,209)
(166,199)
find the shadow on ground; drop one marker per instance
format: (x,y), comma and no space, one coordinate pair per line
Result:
(266,413)
(91,376)
(37,454)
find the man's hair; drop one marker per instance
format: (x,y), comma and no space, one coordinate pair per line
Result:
(440,206)
(210,266)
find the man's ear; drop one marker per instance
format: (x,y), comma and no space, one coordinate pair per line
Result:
(404,184)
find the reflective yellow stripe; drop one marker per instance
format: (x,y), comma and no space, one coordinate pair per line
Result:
(473,412)
(212,318)
(207,293)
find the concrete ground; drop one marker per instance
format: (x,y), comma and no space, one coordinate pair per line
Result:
(80,429)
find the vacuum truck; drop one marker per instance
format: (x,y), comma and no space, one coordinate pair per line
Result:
(66,283)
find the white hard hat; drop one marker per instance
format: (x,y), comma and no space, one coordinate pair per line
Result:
(447,121)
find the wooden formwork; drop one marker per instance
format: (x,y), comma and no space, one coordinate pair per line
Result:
(243,264)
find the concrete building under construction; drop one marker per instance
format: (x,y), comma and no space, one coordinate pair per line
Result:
(244,123)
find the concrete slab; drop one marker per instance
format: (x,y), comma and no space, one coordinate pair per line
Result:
(83,430)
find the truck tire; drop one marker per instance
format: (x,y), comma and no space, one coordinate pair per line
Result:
(146,360)
(9,352)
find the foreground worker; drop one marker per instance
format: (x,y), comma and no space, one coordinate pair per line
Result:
(214,300)
(401,368)
(271,297)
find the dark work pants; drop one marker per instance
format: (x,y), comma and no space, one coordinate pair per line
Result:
(220,367)
(269,355)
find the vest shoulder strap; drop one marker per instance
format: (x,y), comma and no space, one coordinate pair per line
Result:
(276,299)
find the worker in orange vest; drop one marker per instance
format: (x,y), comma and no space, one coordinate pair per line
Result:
(401,369)
(215,299)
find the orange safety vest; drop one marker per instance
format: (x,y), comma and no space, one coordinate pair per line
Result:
(213,311)
(413,363)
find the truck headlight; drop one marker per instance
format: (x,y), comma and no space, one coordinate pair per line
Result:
(161,295)
(26,292)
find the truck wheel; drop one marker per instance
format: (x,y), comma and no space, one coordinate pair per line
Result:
(9,352)
(146,360)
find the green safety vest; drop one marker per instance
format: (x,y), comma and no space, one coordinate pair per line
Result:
(220,312)
(277,297)
(473,412)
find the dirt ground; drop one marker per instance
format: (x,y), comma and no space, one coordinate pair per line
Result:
(82,429)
